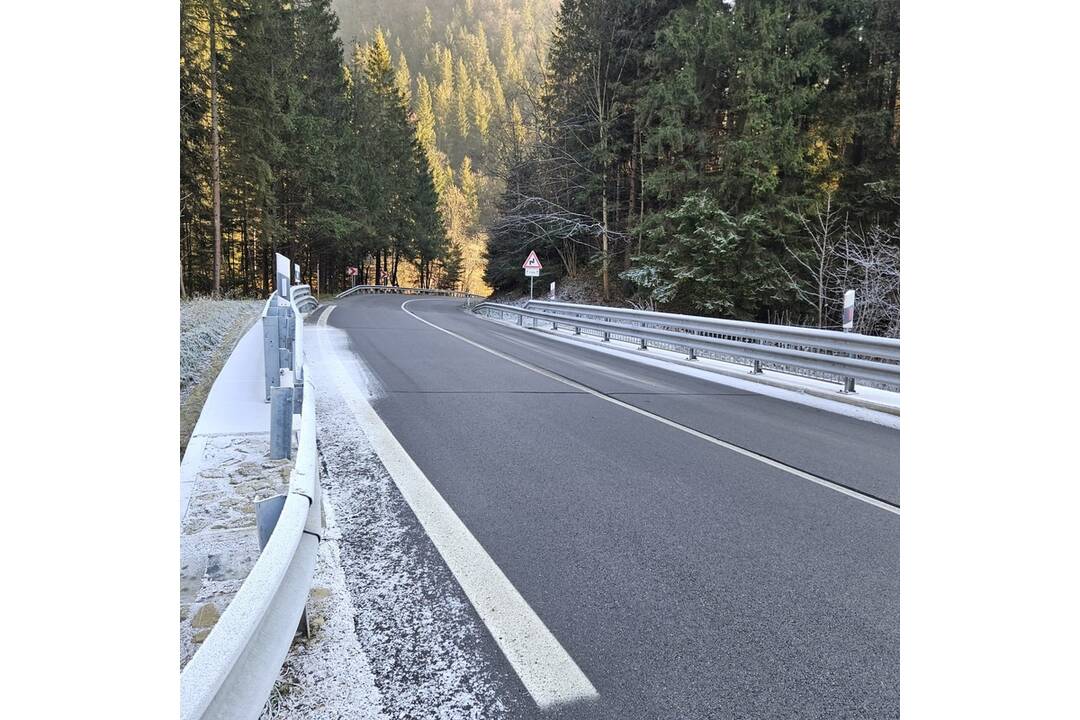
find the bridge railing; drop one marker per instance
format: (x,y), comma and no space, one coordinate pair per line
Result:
(234,671)
(811,351)
(393,289)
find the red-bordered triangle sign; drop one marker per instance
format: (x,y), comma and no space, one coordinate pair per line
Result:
(532,261)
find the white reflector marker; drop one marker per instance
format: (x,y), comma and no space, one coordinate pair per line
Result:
(546,670)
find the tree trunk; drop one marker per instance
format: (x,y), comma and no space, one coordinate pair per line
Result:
(265,262)
(216,168)
(632,199)
(641,195)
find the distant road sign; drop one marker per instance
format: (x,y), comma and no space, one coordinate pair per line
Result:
(532,262)
(350,270)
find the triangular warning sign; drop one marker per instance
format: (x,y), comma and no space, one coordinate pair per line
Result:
(532,262)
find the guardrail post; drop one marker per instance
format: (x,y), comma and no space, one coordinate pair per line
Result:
(691,354)
(281,415)
(267,512)
(644,345)
(271,356)
(756,370)
(577,329)
(607,336)
(285,358)
(521,319)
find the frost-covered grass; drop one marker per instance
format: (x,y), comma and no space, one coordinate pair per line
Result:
(205,327)
(209,330)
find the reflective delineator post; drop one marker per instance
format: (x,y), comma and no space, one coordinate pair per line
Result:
(849,325)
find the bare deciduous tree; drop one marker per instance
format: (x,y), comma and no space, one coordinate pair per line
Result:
(825,233)
(836,258)
(871,265)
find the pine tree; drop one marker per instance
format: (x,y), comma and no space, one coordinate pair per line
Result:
(403,79)
(194,142)
(452,266)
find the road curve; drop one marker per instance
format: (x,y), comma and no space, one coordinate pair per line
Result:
(685,579)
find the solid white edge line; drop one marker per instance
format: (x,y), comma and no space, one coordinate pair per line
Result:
(547,671)
(670,423)
(325,315)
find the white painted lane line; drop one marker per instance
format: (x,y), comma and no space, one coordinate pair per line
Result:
(670,423)
(325,315)
(546,670)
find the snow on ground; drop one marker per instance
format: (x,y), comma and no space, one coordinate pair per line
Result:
(393,591)
(206,326)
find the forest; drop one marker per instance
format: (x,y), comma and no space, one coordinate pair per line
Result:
(729,158)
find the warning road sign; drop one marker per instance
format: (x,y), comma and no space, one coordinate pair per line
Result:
(532,262)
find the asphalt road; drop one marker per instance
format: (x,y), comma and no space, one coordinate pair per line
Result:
(685,579)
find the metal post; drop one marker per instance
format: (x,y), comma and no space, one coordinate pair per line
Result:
(267,514)
(691,354)
(607,336)
(644,345)
(577,330)
(281,416)
(520,318)
(849,382)
(271,356)
(757,368)
(530,287)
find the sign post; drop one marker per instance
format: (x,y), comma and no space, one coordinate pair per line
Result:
(532,269)
(849,325)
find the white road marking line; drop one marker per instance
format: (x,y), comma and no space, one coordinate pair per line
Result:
(325,315)
(670,423)
(546,670)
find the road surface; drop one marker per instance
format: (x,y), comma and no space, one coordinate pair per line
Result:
(756,575)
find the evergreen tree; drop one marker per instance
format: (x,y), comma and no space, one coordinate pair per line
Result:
(451,268)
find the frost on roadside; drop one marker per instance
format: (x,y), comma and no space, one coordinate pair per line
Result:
(385,605)
(205,325)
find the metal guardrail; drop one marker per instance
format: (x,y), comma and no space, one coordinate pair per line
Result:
(393,289)
(301,295)
(826,352)
(233,672)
